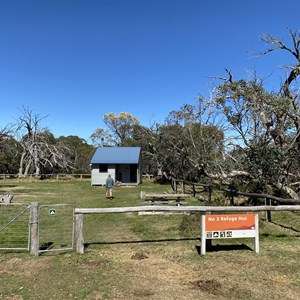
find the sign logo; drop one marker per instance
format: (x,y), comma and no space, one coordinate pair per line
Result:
(52,212)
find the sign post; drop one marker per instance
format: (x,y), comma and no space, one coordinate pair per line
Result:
(225,226)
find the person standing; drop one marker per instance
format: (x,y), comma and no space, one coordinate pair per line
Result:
(109,186)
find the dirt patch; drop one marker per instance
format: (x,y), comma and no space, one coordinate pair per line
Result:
(31,267)
(237,292)
(6,266)
(208,286)
(152,276)
(93,263)
(16,297)
(143,293)
(139,256)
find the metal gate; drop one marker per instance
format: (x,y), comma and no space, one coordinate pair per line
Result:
(56,227)
(14,226)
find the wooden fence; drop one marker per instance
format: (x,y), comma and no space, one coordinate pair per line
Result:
(57,177)
(209,187)
(80,212)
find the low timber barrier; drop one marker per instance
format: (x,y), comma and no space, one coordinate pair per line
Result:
(80,212)
(77,215)
(33,177)
(231,191)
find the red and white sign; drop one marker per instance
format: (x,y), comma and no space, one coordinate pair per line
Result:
(230,226)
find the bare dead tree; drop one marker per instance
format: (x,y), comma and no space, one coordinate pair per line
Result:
(276,44)
(37,150)
(287,90)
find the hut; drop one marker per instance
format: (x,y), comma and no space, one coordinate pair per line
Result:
(122,163)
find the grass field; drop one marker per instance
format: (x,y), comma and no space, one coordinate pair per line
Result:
(149,257)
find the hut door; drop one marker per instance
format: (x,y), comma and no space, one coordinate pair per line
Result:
(133,173)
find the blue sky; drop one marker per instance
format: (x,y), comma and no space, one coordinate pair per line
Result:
(75,61)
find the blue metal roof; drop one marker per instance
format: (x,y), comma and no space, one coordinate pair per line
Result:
(116,155)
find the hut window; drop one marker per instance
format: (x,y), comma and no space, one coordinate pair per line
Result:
(103,168)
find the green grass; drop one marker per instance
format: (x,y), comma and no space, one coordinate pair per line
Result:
(130,256)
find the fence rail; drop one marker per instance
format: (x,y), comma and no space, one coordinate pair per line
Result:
(191,209)
(56,177)
(80,212)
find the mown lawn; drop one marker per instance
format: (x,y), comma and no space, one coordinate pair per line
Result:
(129,256)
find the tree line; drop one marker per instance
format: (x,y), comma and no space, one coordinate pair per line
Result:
(28,148)
(242,134)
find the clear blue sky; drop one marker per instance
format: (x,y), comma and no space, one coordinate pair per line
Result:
(78,60)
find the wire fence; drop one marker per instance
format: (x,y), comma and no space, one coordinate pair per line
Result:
(14,226)
(56,227)
(54,224)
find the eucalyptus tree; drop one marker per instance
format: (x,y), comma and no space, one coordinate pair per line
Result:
(241,131)
(9,150)
(79,152)
(265,125)
(188,140)
(119,128)
(102,137)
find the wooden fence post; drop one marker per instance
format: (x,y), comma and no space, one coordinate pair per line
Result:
(194,190)
(203,236)
(79,233)
(256,239)
(268,216)
(175,186)
(231,197)
(206,244)
(34,229)
(209,193)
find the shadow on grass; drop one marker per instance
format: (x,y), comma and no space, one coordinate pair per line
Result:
(46,246)
(282,235)
(209,248)
(86,245)
(216,248)
(286,227)
(8,186)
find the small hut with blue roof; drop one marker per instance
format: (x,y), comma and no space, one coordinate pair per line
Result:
(122,163)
